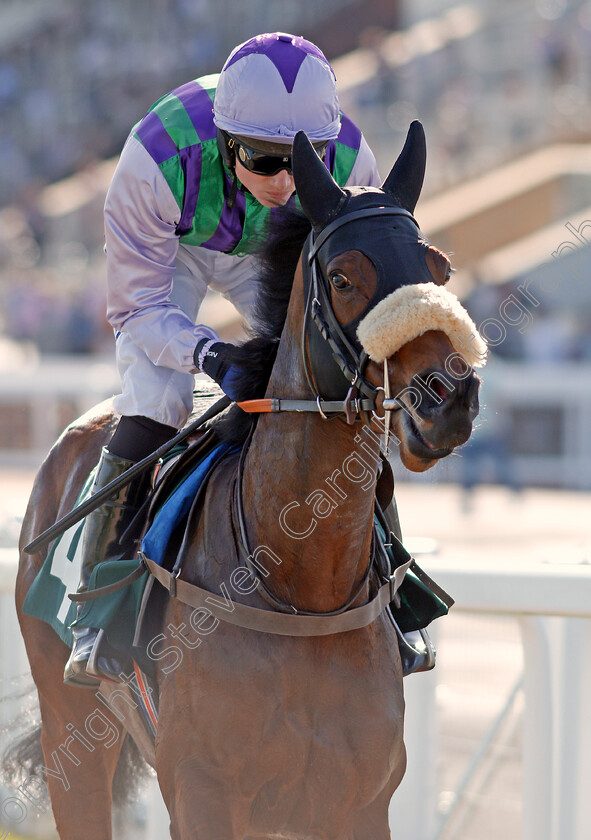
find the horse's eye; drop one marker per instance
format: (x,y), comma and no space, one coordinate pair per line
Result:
(339,280)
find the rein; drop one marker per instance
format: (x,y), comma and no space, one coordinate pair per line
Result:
(244,550)
(94,501)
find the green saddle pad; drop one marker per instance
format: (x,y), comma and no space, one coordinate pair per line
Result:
(47,598)
(116,612)
(419,605)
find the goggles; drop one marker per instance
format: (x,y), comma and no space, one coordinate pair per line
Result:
(265,163)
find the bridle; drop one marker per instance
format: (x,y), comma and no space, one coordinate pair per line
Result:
(351,362)
(361,395)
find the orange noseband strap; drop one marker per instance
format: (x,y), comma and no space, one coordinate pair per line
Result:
(256,406)
(349,407)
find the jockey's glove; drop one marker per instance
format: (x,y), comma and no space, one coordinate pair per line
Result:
(218,360)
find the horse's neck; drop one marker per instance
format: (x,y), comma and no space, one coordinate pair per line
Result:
(308,492)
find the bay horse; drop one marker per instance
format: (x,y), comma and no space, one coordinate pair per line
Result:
(266,735)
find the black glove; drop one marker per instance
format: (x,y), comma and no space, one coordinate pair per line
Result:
(219,362)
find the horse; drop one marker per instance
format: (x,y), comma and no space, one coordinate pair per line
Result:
(274,734)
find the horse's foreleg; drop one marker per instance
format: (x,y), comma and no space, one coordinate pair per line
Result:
(200,808)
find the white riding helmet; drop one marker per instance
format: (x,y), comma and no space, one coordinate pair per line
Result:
(275,85)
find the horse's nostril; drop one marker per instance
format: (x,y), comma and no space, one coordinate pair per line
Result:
(431,390)
(434,393)
(439,389)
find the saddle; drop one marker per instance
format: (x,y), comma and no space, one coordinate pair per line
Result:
(177,498)
(123,601)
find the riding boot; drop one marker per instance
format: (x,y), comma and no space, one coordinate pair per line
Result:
(103,529)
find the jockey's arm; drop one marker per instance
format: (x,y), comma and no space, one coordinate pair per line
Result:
(141,216)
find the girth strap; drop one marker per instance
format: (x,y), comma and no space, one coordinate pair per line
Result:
(281,624)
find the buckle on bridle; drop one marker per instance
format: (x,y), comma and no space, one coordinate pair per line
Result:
(387,413)
(352,399)
(320,411)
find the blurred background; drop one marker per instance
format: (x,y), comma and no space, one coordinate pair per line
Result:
(503,90)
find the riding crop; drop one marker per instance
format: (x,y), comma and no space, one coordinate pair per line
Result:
(98,498)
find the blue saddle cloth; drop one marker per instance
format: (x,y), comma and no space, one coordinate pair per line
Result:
(176,507)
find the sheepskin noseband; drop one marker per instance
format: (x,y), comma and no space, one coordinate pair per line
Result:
(409,312)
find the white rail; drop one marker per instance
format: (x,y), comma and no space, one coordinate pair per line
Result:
(553,606)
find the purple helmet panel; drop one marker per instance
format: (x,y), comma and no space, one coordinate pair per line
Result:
(286,59)
(274,85)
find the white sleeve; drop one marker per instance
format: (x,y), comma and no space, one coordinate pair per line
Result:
(141,216)
(365,169)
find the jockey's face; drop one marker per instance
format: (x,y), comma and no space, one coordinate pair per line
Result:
(269,190)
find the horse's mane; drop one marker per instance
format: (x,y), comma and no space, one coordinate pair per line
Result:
(278,258)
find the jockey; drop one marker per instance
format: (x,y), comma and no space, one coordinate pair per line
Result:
(190,200)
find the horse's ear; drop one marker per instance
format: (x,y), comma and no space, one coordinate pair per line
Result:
(319,194)
(405,181)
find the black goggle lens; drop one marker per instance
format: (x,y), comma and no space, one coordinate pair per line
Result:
(263,164)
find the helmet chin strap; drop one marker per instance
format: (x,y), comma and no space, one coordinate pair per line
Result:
(226,147)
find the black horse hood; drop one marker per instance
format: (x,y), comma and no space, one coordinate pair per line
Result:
(394,243)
